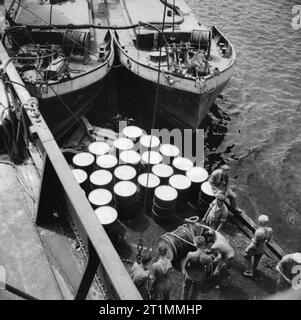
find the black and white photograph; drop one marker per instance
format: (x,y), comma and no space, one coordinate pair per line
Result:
(150,151)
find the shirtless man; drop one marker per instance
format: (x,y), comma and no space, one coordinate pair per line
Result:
(141,275)
(218,243)
(161,286)
(196,268)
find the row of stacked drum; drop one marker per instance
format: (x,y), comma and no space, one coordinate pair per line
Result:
(120,182)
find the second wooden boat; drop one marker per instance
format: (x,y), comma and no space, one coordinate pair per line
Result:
(195,61)
(64,67)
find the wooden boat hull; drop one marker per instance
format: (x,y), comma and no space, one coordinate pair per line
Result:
(180,108)
(64,102)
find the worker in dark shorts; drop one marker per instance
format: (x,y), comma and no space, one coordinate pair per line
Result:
(217,213)
(255,250)
(141,275)
(289,272)
(197,268)
(220,182)
(160,276)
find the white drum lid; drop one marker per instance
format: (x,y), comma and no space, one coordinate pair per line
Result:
(182,163)
(107,161)
(100,197)
(169,150)
(179,182)
(197,174)
(101,177)
(123,144)
(166,193)
(99,148)
(83,159)
(130,156)
(153,180)
(207,188)
(132,132)
(152,157)
(106,215)
(80,175)
(162,170)
(125,188)
(149,141)
(125,172)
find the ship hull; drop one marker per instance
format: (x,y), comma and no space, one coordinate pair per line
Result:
(180,108)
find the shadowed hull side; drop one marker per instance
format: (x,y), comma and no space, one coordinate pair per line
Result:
(180,108)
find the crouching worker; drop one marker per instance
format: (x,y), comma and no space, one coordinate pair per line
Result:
(255,250)
(141,275)
(289,269)
(197,268)
(220,182)
(220,246)
(160,276)
(217,213)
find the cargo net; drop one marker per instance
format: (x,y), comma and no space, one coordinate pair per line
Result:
(180,241)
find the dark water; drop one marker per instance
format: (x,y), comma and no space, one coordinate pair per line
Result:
(263,105)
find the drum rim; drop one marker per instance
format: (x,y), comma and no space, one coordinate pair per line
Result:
(131,127)
(173,147)
(76,177)
(132,152)
(109,174)
(112,209)
(129,183)
(131,143)
(181,177)
(197,167)
(161,165)
(207,183)
(106,155)
(148,136)
(150,158)
(99,142)
(151,175)
(88,154)
(183,158)
(127,178)
(102,190)
(166,187)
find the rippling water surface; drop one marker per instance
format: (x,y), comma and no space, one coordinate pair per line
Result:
(263,105)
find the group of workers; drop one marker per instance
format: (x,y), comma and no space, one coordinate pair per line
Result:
(213,251)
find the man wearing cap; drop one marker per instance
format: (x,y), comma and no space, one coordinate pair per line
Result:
(255,250)
(219,180)
(197,268)
(217,213)
(289,272)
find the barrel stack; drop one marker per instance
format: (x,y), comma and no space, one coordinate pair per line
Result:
(137,171)
(197,175)
(182,184)
(206,196)
(164,204)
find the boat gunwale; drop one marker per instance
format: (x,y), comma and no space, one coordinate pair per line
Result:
(208,77)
